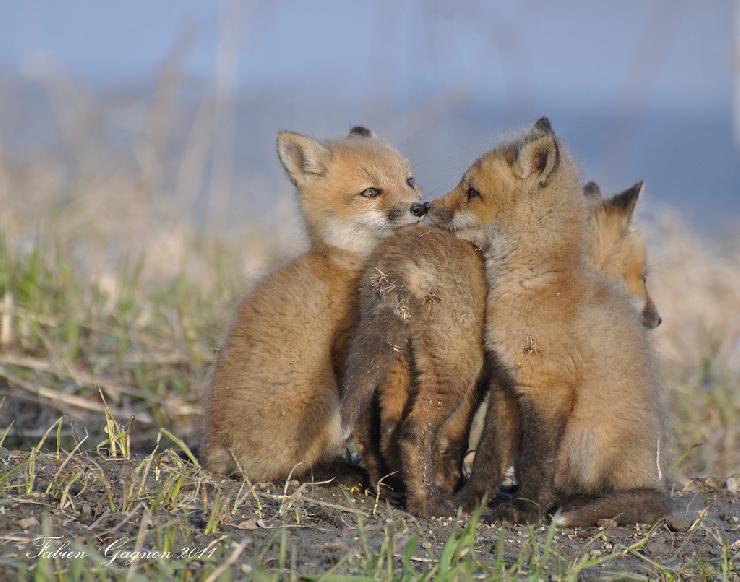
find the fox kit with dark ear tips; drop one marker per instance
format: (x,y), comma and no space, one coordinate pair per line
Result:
(581,367)
(273,399)
(615,248)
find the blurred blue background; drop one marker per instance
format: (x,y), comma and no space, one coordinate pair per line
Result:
(637,89)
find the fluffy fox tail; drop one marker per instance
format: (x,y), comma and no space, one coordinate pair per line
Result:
(381,334)
(625,507)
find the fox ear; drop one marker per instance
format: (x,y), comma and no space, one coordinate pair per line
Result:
(360,131)
(592,191)
(537,158)
(622,205)
(301,155)
(543,125)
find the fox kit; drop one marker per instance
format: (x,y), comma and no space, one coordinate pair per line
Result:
(575,360)
(391,276)
(615,249)
(411,313)
(273,400)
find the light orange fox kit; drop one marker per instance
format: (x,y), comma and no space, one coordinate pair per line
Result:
(273,399)
(574,359)
(615,249)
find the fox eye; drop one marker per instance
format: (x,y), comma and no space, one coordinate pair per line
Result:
(370,192)
(472,193)
(411,182)
(644,279)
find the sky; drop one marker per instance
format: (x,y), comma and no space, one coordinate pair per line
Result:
(678,52)
(631,82)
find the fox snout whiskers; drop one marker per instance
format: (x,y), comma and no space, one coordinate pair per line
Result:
(440,216)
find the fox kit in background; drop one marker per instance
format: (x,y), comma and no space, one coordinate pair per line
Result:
(615,248)
(392,278)
(273,400)
(577,363)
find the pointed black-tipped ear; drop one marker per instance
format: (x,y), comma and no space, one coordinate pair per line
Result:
(537,158)
(625,202)
(301,155)
(592,190)
(360,131)
(622,205)
(543,125)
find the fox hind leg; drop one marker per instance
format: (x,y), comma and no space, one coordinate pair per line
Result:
(497,448)
(366,441)
(395,394)
(452,445)
(437,396)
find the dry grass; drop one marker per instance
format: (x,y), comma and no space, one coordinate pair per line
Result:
(697,288)
(115,517)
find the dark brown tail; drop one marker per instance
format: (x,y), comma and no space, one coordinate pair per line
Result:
(380,336)
(625,507)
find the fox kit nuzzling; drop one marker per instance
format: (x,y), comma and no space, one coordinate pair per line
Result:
(386,335)
(273,400)
(578,364)
(615,249)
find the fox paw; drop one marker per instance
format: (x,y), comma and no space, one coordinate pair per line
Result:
(434,506)
(514,513)
(447,483)
(392,491)
(340,472)
(467,498)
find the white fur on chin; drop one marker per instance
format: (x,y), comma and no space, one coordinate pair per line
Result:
(358,236)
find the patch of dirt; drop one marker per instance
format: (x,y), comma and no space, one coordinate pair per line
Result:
(161,502)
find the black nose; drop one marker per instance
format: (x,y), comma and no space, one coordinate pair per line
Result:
(419,209)
(651,319)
